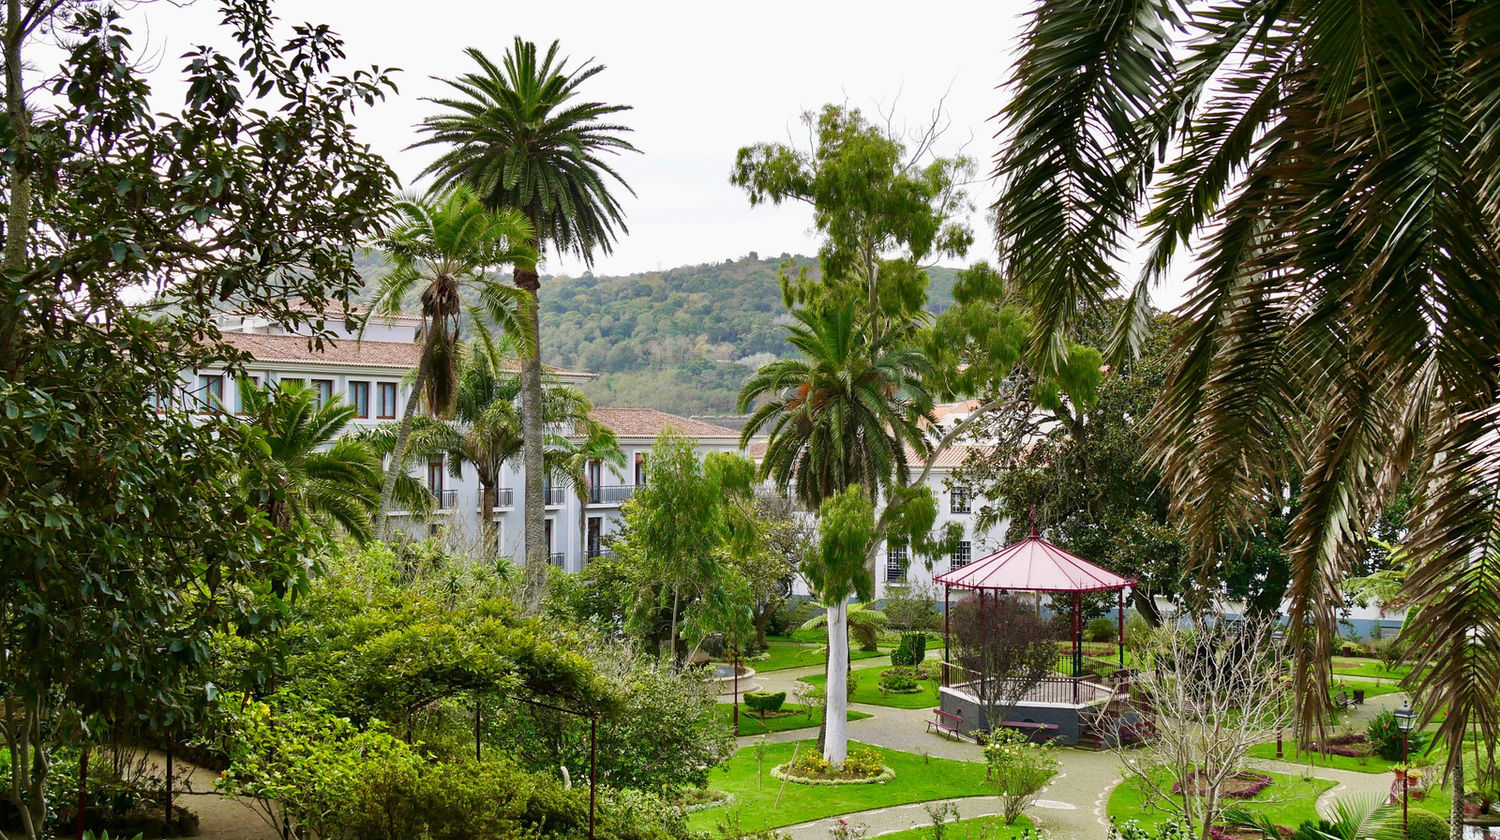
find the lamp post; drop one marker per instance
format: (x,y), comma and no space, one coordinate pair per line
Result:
(1406,720)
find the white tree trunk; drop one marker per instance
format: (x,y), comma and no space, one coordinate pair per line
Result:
(836,715)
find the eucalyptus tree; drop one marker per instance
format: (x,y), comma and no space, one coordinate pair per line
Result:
(1337,167)
(441,246)
(518,134)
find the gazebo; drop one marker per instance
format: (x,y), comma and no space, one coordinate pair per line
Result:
(1037,566)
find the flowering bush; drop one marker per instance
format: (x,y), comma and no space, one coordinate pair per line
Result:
(861,765)
(863,761)
(1018,769)
(899,681)
(810,763)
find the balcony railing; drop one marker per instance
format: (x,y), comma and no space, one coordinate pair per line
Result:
(505,497)
(556,559)
(611,494)
(556,496)
(447,499)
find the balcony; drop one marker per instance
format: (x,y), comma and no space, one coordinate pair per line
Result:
(446,499)
(556,496)
(556,559)
(611,494)
(505,498)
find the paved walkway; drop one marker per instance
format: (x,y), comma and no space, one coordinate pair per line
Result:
(1072,808)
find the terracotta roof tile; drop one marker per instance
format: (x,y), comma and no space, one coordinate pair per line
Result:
(347,351)
(649,423)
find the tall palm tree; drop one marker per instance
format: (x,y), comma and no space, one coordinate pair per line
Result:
(441,246)
(1338,166)
(310,472)
(518,134)
(843,414)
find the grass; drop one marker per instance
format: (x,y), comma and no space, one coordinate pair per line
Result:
(1368,668)
(1371,689)
(751,725)
(1290,753)
(784,655)
(1289,801)
(988,828)
(918,779)
(868,691)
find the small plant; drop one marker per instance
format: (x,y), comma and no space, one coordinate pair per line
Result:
(842,830)
(760,745)
(1101,630)
(765,702)
(900,681)
(1425,825)
(1018,769)
(863,762)
(1385,737)
(941,814)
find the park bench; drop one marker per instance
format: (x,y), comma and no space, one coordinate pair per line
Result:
(1030,727)
(945,723)
(1343,700)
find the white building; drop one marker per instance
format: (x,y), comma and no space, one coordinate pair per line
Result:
(371,373)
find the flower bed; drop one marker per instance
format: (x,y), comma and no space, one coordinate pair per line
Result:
(779,772)
(1242,785)
(1350,746)
(861,767)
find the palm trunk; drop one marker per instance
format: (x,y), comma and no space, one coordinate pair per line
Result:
(403,434)
(1456,809)
(489,499)
(836,717)
(531,446)
(583,530)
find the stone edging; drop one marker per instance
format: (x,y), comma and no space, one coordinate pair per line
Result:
(885,775)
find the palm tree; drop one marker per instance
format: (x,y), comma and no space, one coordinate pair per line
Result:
(844,414)
(310,471)
(1339,165)
(443,245)
(518,135)
(865,624)
(596,444)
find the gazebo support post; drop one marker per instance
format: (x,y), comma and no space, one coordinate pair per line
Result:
(1077,636)
(1121,616)
(947,644)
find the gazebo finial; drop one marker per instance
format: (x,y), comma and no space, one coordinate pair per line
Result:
(1033,521)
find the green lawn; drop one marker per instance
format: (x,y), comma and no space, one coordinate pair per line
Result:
(979,828)
(868,691)
(1290,753)
(785,655)
(1368,668)
(1287,802)
(1372,689)
(751,725)
(918,779)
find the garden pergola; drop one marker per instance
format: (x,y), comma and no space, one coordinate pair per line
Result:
(1035,565)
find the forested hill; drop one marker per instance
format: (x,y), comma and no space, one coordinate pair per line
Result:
(681,339)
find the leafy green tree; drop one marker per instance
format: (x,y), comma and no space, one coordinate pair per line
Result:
(1338,166)
(518,135)
(127,540)
(441,245)
(310,471)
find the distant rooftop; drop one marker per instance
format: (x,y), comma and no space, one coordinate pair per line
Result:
(728,421)
(402,355)
(649,423)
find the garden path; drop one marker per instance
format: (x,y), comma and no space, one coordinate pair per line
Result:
(219,817)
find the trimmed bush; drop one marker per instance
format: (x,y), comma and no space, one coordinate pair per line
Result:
(764,702)
(1385,737)
(1425,825)
(899,681)
(911,650)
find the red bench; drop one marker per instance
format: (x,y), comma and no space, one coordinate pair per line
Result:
(945,723)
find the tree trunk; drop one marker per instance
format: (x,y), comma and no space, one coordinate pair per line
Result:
(489,499)
(583,530)
(403,434)
(18,212)
(836,748)
(672,634)
(1456,809)
(534,512)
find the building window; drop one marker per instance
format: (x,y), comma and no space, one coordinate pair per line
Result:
(960,499)
(245,384)
(435,477)
(210,392)
(386,405)
(895,562)
(640,469)
(596,528)
(359,397)
(593,476)
(323,389)
(961,555)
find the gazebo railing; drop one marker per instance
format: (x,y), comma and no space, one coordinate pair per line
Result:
(1054,688)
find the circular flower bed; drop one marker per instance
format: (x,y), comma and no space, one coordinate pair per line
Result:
(1349,746)
(861,767)
(900,680)
(1242,785)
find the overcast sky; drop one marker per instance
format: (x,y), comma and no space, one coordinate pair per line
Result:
(703,78)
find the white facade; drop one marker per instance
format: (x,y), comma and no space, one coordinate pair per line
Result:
(370,373)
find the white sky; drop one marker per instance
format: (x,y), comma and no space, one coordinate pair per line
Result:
(704,80)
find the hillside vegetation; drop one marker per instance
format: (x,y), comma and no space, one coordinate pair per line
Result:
(681,339)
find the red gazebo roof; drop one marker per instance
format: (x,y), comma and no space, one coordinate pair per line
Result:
(1034,565)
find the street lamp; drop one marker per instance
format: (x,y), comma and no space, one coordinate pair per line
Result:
(1406,721)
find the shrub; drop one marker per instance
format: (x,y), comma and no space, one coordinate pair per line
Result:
(789,616)
(765,702)
(863,762)
(1385,737)
(913,608)
(1101,630)
(1018,769)
(911,650)
(1425,825)
(900,680)
(810,764)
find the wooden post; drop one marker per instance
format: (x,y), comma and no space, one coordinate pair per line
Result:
(1077,635)
(736,667)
